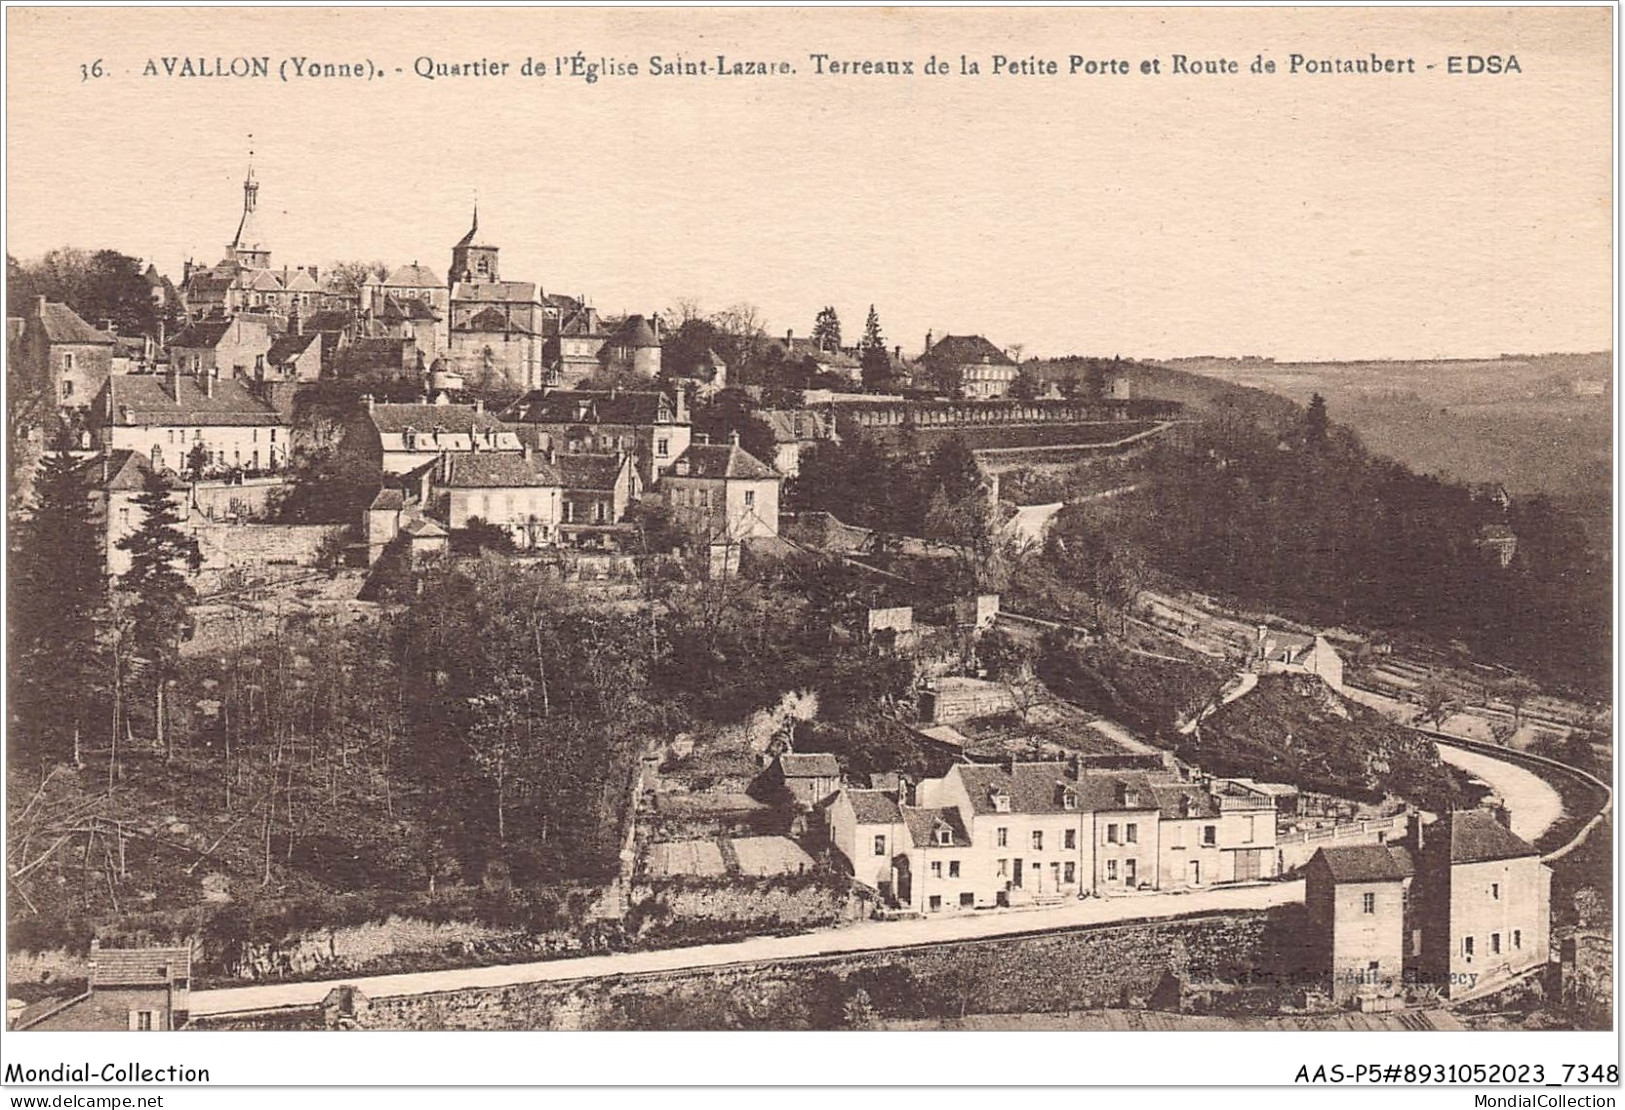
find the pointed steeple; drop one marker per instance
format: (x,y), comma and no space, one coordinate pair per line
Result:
(248,246)
(474,229)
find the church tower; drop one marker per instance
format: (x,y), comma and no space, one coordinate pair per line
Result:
(249,248)
(471,261)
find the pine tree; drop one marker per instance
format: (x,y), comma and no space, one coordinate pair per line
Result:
(1314,421)
(871,331)
(59,587)
(826,333)
(877,370)
(160,621)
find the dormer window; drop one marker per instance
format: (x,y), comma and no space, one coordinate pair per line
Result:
(409,439)
(1069,798)
(1000,800)
(945,833)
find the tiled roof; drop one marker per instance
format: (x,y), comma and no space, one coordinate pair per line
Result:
(265,281)
(388,500)
(589,472)
(1036,788)
(720,460)
(1169,800)
(588,406)
(119,471)
(1361,863)
(809,765)
(413,276)
(289,347)
(924,823)
(957,350)
(874,807)
(424,418)
(514,291)
(634,332)
(488,470)
(422,528)
(1477,837)
(493,319)
(63,325)
(384,352)
(205,334)
(128,967)
(148,401)
(300,281)
(409,308)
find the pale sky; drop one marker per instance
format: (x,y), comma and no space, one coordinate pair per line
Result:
(1300,217)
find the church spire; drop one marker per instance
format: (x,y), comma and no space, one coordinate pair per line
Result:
(248,247)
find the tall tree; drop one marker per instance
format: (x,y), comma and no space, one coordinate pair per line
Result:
(58,589)
(826,333)
(876,365)
(1315,423)
(160,622)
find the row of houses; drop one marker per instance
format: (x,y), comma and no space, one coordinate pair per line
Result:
(1023,832)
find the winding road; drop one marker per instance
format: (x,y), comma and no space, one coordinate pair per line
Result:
(1532,802)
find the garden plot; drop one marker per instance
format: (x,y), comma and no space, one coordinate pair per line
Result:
(762,856)
(686,857)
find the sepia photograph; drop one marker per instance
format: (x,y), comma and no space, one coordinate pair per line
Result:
(807,520)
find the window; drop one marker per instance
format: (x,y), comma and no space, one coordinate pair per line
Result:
(1111,869)
(1130,870)
(662,448)
(1210,835)
(1495,891)
(880,845)
(945,835)
(143,1020)
(1131,833)
(67,390)
(1467,947)
(1070,873)
(259,365)
(750,498)
(67,360)
(1495,944)
(1368,903)
(1003,868)
(953,869)
(936,869)
(936,902)
(1038,840)
(1251,822)
(1055,873)
(1517,940)
(967,900)
(273,435)
(1111,834)
(1003,837)
(1069,838)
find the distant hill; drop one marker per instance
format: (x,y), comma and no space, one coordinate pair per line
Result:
(1535,423)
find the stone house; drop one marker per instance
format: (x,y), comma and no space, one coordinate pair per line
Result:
(1355,897)
(515,492)
(295,358)
(58,346)
(137,989)
(596,490)
(650,426)
(176,420)
(236,348)
(1483,902)
(723,494)
(1291,653)
(398,438)
(972,365)
(633,348)
(809,778)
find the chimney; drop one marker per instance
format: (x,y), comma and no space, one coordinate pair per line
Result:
(444,469)
(897,352)
(552,457)
(789,336)
(366,401)
(175,381)
(525,452)
(479,405)
(927,343)
(208,384)
(733,438)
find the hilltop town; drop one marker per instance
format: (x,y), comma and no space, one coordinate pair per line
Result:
(389,618)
